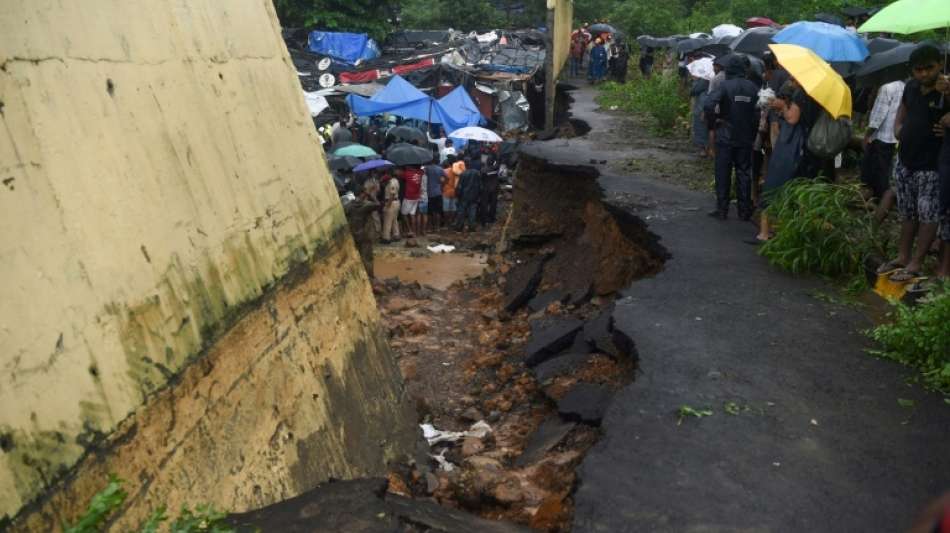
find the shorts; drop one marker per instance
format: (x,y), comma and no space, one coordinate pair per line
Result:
(918,194)
(409,207)
(876,167)
(423,205)
(450,205)
(435,205)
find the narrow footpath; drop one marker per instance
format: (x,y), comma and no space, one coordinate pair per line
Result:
(806,433)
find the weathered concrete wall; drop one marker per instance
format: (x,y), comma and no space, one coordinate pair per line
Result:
(160,177)
(561,35)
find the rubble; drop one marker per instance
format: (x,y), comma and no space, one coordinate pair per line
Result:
(586,402)
(548,337)
(522,282)
(548,435)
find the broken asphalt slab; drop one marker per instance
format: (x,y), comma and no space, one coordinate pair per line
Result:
(548,435)
(719,325)
(522,282)
(585,402)
(546,298)
(361,506)
(549,336)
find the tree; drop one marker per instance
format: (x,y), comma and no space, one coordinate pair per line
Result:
(361,16)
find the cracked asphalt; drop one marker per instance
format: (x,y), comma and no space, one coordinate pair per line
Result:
(806,432)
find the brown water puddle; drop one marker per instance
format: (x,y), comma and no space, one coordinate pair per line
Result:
(437,270)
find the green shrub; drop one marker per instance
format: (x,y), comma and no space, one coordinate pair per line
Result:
(204,519)
(822,228)
(919,337)
(659,97)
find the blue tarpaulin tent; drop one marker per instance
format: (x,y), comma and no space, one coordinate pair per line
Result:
(457,110)
(345,47)
(398,98)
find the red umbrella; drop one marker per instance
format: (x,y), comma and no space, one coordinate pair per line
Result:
(756,22)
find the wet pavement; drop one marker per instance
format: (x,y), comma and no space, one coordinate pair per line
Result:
(805,434)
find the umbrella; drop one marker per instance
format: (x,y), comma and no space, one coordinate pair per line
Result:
(407,134)
(855,12)
(407,154)
(702,68)
(830,42)
(882,44)
(474,133)
(700,35)
(595,29)
(715,49)
(759,22)
(690,45)
(886,67)
(726,30)
(756,65)
(648,41)
(345,162)
(726,39)
(753,40)
(909,16)
(828,18)
(816,77)
(370,165)
(355,150)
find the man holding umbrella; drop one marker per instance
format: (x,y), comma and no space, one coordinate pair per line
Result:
(736,125)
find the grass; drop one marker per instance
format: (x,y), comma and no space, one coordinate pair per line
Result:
(687,411)
(660,97)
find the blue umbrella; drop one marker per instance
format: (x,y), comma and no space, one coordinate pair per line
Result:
(370,165)
(829,42)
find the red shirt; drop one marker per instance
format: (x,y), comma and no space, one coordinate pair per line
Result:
(413,178)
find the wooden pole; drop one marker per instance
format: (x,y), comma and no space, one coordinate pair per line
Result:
(550,83)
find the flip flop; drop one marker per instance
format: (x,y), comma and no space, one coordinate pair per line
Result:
(903,276)
(890,267)
(756,241)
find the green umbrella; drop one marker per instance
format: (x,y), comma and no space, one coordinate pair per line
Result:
(355,150)
(909,16)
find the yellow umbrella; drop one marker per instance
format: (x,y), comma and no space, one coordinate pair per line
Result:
(816,77)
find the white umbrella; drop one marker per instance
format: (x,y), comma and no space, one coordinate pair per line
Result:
(702,68)
(474,133)
(726,30)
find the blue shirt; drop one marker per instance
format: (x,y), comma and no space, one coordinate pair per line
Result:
(434,174)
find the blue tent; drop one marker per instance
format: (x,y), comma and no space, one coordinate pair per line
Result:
(457,110)
(345,47)
(398,98)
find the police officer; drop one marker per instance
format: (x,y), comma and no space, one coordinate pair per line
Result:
(731,110)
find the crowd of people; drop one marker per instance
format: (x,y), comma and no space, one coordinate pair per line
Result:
(458,190)
(605,54)
(755,134)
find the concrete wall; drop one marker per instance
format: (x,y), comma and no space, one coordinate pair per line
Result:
(160,179)
(563,11)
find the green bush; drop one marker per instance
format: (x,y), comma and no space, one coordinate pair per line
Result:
(204,519)
(919,337)
(659,97)
(822,228)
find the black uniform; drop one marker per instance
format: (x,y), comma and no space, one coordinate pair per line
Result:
(736,125)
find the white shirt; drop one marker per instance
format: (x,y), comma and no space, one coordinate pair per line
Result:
(884,112)
(443,151)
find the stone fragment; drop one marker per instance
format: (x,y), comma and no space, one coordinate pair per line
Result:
(472,446)
(472,415)
(548,435)
(543,300)
(586,402)
(522,282)
(549,337)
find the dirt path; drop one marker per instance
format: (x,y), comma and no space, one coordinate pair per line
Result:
(805,432)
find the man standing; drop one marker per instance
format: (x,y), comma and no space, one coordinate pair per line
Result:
(879,146)
(468,192)
(412,176)
(916,180)
(453,170)
(434,177)
(390,209)
(736,125)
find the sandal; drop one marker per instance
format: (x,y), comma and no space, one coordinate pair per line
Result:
(903,275)
(756,241)
(890,267)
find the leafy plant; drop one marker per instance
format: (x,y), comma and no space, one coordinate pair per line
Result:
(686,410)
(204,519)
(732,408)
(823,228)
(659,97)
(919,337)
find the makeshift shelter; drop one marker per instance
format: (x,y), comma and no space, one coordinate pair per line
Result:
(345,47)
(398,98)
(457,110)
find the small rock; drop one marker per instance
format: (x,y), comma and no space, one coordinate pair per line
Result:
(417,253)
(472,446)
(472,415)
(412,243)
(418,327)
(432,482)
(494,416)
(509,492)
(488,360)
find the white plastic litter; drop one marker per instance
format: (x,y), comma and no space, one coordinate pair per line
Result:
(316,103)
(765,97)
(434,436)
(444,463)
(702,68)
(440,248)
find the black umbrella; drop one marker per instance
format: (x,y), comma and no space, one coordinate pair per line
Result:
(689,45)
(829,18)
(648,41)
(345,162)
(407,134)
(754,64)
(595,29)
(845,68)
(885,67)
(726,39)
(882,44)
(715,49)
(855,12)
(406,154)
(754,40)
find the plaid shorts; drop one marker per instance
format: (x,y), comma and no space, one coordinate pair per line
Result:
(918,194)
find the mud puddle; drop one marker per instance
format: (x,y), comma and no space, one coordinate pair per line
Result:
(437,270)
